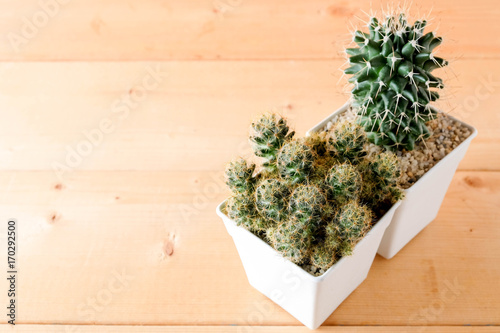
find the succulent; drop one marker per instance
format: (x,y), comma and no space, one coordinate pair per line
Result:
(239,176)
(324,254)
(295,161)
(242,210)
(386,167)
(271,198)
(345,182)
(306,205)
(393,85)
(291,239)
(305,200)
(268,134)
(347,142)
(382,175)
(353,221)
(318,143)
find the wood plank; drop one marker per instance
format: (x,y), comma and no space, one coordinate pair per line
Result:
(197,117)
(255,329)
(131,248)
(220,29)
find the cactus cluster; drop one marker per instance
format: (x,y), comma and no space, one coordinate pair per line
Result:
(313,198)
(391,69)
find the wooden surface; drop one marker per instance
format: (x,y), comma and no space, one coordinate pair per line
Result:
(255,329)
(126,233)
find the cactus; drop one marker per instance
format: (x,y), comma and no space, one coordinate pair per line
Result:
(239,176)
(306,205)
(382,174)
(324,254)
(347,142)
(345,182)
(393,85)
(293,237)
(242,210)
(271,198)
(386,167)
(291,240)
(295,161)
(318,143)
(304,201)
(268,135)
(353,221)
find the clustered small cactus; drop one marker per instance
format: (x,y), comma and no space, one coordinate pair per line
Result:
(393,85)
(314,198)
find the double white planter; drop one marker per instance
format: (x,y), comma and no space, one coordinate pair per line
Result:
(310,299)
(422,200)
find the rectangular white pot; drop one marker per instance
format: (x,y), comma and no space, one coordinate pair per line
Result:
(422,200)
(310,299)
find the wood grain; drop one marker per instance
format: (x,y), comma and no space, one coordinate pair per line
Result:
(225,329)
(198,115)
(156,96)
(132,248)
(221,29)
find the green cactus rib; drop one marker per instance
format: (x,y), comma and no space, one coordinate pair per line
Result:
(393,84)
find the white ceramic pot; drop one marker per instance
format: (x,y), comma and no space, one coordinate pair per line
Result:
(310,299)
(422,200)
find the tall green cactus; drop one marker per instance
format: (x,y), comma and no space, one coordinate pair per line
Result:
(393,85)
